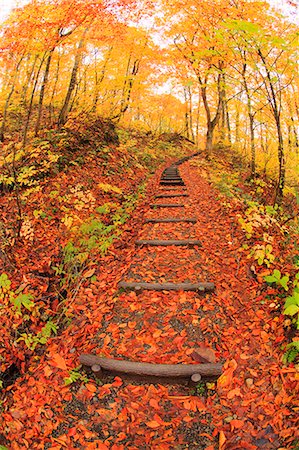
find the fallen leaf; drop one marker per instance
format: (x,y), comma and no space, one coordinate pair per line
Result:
(204,355)
(89,273)
(58,361)
(222,440)
(153,424)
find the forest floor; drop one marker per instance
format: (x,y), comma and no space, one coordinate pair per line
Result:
(251,406)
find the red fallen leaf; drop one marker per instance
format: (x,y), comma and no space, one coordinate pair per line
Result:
(204,355)
(235,423)
(117,382)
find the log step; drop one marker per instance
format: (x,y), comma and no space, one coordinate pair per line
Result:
(171,195)
(167,189)
(148,369)
(172,183)
(172,220)
(168,242)
(143,286)
(166,205)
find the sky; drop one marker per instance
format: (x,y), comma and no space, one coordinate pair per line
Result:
(7,5)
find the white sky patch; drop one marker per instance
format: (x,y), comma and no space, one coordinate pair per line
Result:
(7,5)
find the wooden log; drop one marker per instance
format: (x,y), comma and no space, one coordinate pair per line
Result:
(174,188)
(168,242)
(174,183)
(148,369)
(166,205)
(172,220)
(171,195)
(143,286)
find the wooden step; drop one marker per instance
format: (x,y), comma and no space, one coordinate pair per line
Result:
(168,242)
(143,286)
(172,183)
(172,220)
(166,205)
(162,372)
(171,195)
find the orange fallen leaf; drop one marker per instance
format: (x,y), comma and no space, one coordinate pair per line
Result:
(58,361)
(89,273)
(153,424)
(222,440)
(48,371)
(236,423)
(91,387)
(234,393)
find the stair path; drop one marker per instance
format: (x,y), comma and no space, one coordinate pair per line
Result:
(172,179)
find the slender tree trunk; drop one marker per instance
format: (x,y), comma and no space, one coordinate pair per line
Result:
(197,119)
(211,123)
(127,89)
(186,114)
(276,109)
(28,81)
(229,132)
(51,107)
(42,92)
(237,126)
(251,123)
(66,105)
(99,79)
(25,132)
(7,102)
(282,164)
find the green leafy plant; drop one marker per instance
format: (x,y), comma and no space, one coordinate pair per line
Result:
(279,279)
(42,337)
(291,307)
(200,389)
(292,352)
(17,299)
(74,376)
(263,254)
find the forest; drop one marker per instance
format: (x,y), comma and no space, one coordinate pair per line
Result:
(149,198)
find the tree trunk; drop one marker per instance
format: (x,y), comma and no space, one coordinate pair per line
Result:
(25,132)
(7,102)
(51,107)
(67,102)
(99,80)
(251,123)
(42,92)
(281,162)
(211,123)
